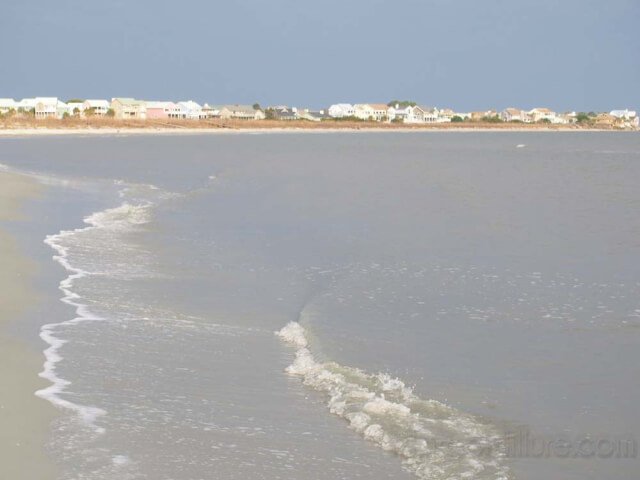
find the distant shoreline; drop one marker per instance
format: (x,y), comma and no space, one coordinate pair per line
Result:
(127,131)
(107,126)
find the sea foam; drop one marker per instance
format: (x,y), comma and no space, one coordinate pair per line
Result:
(433,440)
(120,218)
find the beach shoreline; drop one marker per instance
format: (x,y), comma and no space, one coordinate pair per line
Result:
(25,419)
(109,127)
(41,132)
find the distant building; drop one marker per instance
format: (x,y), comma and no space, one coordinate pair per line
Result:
(512,115)
(7,105)
(398,113)
(376,112)
(211,111)
(342,110)
(313,115)
(606,120)
(241,112)
(191,110)
(26,105)
(543,114)
(75,108)
(129,109)
(163,110)
(97,107)
(284,113)
(49,107)
(624,114)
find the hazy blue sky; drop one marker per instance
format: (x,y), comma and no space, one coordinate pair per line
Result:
(467,54)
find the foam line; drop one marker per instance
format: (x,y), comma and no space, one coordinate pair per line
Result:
(433,440)
(115,219)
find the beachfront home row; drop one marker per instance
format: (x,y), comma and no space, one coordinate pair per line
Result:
(380,112)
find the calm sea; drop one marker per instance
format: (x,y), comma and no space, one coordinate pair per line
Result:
(339,306)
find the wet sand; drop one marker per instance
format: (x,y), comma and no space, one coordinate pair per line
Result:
(24,418)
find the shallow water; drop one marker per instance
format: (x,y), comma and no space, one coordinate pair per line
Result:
(433,293)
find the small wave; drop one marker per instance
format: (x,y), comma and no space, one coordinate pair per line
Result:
(433,440)
(125,216)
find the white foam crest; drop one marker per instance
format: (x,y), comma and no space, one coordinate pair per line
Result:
(124,216)
(433,440)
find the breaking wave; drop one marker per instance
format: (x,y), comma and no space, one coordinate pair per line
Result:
(433,440)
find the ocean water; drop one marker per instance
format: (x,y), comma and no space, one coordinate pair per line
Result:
(349,305)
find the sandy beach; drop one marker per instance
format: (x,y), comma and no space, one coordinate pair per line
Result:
(109,127)
(24,418)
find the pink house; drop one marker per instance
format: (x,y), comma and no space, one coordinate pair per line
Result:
(162,110)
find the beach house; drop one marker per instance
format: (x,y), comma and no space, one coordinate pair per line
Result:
(513,115)
(376,112)
(191,110)
(26,105)
(163,110)
(625,114)
(129,108)
(211,111)
(75,108)
(398,113)
(313,115)
(49,107)
(241,112)
(541,114)
(95,107)
(341,110)
(7,105)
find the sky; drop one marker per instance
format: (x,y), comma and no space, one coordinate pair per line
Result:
(464,54)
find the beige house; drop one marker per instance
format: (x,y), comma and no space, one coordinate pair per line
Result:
(129,108)
(96,107)
(542,114)
(377,112)
(240,112)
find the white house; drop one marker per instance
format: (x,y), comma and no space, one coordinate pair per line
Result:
(26,104)
(543,114)
(75,108)
(513,115)
(372,111)
(211,111)
(191,110)
(629,117)
(97,107)
(399,113)
(342,110)
(7,104)
(50,107)
(624,114)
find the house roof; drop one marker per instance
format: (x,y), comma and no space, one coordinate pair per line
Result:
(128,101)
(191,105)
(513,111)
(7,102)
(46,100)
(379,106)
(246,109)
(163,105)
(97,103)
